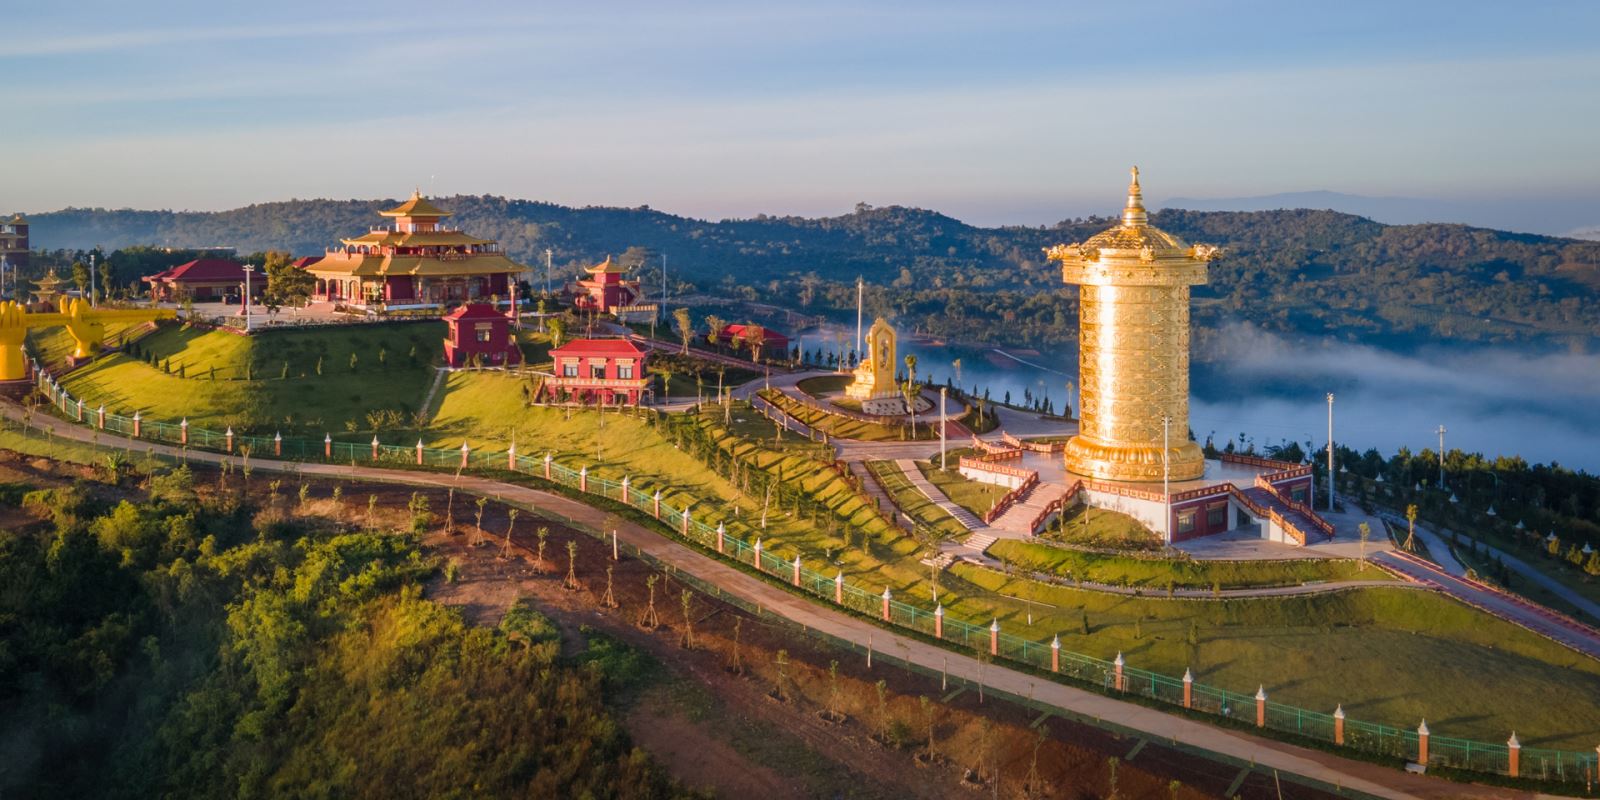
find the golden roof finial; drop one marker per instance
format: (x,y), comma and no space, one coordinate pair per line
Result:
(1134,214)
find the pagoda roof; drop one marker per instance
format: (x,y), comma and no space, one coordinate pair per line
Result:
(306,261)
(355,264)
(201,269)
(416,207)
(607,267)
(417,239)
(599,347)
(48,280)
(18,219)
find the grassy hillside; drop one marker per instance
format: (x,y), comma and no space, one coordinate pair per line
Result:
(270,382)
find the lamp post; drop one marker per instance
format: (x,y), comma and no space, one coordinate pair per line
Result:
(1330,452)
(91,280)
(547,256)
(860,287)
(249,269)
(943,391)
(1441,433)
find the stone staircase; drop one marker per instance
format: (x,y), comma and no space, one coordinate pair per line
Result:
(980,541)
(1017,519)
(917,479)
(939,562)
(1268,500)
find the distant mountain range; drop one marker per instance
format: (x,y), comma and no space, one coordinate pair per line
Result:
(1316,272)
(1573,219)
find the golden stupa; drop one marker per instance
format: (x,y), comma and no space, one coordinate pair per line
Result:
(1133,349)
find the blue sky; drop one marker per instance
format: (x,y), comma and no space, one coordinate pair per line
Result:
(993,112)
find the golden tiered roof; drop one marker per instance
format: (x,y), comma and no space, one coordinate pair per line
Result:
(416,207)
(388,238)
(1134,253)
(607,267)
(355,264)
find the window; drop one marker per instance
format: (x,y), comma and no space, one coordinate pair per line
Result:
(625,370)
(597,370)
(1217,516)
(1186,521)
(569,369)
(483,330)
(1298,493)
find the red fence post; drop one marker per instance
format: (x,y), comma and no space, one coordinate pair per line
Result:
(658,504)
(1338,725)
(994,638)
(419,452)
(228,436)
(183,431)
(277,443)
(838,589)
(1515,753)
(1055,654)
(758,553)
(1188,688)
(464,453)
(796,569)
(547,458)
(885,604)
(1261,707)
(1422,743)
(374,447)
(327,446)
(938,621)
(583,479)
(511,457)
(136,424)
(1117,666)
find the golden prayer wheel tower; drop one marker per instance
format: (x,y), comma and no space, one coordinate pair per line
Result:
(1133,349)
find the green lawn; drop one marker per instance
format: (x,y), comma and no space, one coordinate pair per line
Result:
(1156,573)
(284,393)
(1102,528)
(53,345)
(1388,655)
(971,495)
(914,503)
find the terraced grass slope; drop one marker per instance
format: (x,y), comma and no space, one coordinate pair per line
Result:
(306,382)
(1391,655)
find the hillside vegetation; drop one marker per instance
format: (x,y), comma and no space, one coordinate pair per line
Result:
(1300,271)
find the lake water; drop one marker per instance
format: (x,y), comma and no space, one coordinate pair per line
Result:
(1496,401)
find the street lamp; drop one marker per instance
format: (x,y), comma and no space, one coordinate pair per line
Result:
(1330,452)
(942,392)
(91,280)
(249,269)
(1441,433)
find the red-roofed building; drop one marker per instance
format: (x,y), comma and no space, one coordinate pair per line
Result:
(306,261)
(773,344)
(477,329)
(600,371)
(204,279)
(606,290)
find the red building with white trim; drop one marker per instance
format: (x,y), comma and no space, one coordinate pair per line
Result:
(597,371)
(204,279)
(479,329)
(773,344)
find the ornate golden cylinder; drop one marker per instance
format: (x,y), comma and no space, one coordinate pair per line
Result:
(1133,350)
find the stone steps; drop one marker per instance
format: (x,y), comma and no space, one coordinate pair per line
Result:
(980,541)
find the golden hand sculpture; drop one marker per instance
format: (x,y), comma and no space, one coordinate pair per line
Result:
(87,333)
(13,329)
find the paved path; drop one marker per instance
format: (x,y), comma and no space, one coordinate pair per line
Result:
(1507,606)
(936,496)
(1439,549)
(1351,775)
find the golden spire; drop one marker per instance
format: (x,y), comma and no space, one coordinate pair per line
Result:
(1134,215)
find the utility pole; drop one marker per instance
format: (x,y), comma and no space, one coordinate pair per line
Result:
(663,281)
(1330,451)
(943,391)
(547,255)
(859,289)
(1441,456)
(248,269)
(91,280)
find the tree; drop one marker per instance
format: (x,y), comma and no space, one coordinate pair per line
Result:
(714,326)
(755,338)
(287,284)
(685,327)
(80,275)
(1366,533)
(558,330)
(1411,520)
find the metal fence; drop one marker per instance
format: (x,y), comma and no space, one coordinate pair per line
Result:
(654,500)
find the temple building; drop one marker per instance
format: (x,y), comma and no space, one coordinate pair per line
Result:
(46,289)
(771,343)
(14,241)
(204,280)
(413,261)
(480,335)
(598,371)
(606,289)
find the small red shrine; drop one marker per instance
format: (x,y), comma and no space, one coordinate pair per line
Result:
(477,329)
(601,371)
(605,289)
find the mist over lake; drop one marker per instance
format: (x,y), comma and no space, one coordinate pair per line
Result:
(1542,406)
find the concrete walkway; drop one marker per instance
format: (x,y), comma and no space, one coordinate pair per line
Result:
(1330,769)
(936,496)
(1439,550)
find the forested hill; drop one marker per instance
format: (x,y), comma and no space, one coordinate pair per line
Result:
(1315,272)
